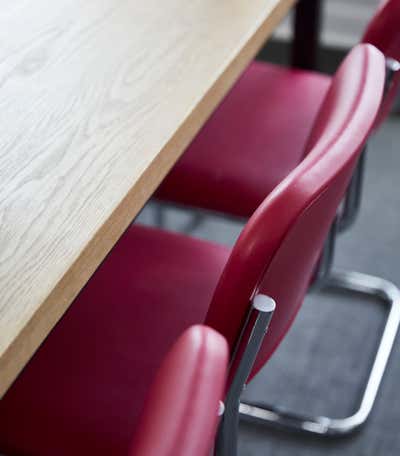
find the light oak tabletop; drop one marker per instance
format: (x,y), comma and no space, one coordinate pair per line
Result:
(98,98)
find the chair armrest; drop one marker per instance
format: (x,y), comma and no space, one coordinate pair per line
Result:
(180,415)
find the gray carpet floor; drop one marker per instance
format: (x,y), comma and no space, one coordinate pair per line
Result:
(323,362)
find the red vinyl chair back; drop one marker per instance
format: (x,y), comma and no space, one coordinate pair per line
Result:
(277,250)
(180,416)
(383,31)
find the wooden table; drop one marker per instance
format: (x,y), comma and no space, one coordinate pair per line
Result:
(98,98)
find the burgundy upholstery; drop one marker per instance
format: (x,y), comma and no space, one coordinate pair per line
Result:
(251,142)
(181,412)
(83,391)
(277,251)
(258,133)
(383,31)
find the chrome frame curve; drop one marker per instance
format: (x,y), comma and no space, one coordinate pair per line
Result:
(389,295)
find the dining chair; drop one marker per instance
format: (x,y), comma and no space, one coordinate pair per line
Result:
(278,253)
(259,133)
(80,392)
(179,416)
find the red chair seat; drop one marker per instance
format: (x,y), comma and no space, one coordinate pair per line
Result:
(83,391)
(251,142)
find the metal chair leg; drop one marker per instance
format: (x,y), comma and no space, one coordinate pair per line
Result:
(257,323)
(389,295)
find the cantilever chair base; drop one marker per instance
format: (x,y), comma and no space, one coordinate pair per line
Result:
(389,295)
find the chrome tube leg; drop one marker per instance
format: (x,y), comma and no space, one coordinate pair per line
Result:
(261,313)
(227,437)
(387,294)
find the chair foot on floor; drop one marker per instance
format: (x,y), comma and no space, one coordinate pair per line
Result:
(387,294)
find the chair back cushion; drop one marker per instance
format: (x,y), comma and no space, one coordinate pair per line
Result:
(277,250)
(180,415)
(383,31)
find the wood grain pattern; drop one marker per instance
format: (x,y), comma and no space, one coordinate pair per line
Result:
(98,98)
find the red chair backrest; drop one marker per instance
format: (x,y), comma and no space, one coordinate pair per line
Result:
(277,250)
(383,31)
(180,415)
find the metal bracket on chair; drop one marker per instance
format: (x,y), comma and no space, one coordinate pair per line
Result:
(389,295)
(258,320)
(392,67)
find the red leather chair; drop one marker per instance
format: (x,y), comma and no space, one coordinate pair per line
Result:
(80,392)
(178,418)
(259,133)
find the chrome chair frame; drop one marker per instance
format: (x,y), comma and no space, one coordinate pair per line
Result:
(386,293)
(258,320)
